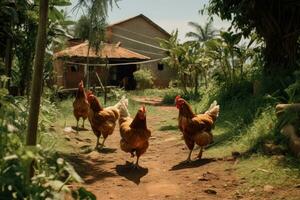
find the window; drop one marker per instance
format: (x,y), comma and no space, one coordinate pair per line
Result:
(160,66)
(74,68)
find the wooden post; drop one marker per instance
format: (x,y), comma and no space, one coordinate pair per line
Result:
(36,86)
(105,87)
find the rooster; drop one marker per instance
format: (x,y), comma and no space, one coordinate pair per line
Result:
(196,128)
(134,133)
(80,105)
(103,120)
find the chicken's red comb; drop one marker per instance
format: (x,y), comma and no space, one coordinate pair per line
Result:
(177,97)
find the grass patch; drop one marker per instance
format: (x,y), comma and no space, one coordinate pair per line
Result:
(260,170)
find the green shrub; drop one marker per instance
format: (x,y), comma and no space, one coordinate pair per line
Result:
(51,173)
(170,94)
(143,78)
(293,90)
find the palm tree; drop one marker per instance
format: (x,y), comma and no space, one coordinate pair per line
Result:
(201,34)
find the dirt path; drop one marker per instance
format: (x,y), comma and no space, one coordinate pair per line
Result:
(109,175)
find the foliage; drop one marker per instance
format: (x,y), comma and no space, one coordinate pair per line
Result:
(170,94)
(21,25)
(290,116)
(184,59)
(293,90)
(143,78)
(201,34)
(232,60)
(96,19)
(82,26)
(221,58)
(268,19)
(51,172)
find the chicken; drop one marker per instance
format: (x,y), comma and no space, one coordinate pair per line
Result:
(80,105)
(134,133)
(196,128)
(103,120)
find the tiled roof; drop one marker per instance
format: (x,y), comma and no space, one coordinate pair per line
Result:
(107,50)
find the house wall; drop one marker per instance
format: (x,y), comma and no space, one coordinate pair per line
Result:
(141,30)
(67,77)
(58,66)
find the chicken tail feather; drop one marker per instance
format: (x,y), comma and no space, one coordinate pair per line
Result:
(213,110)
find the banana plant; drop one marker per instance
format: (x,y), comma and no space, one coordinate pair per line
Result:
(230,56)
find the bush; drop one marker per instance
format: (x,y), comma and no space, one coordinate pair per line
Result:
(170,94)
(51,173)
(143,78)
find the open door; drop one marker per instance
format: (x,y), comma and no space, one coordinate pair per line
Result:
(123,76)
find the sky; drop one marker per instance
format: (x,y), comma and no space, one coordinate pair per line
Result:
(169,14)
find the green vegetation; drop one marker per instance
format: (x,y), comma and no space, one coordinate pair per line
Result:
(51,173)
(143,78)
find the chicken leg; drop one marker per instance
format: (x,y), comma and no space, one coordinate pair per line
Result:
(200,153)
(97,144)
(77,125)
(136,165)
(83,123)
(188,160)
(102,144)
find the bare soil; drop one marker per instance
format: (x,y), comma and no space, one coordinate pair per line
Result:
(110,175)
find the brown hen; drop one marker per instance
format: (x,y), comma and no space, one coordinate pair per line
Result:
(80,105)
(196,128)
(134,132)
(103,120)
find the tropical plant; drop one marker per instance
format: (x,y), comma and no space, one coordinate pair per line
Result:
(269,20)
(184,58)
(230,59)
(201,34)
(82,26)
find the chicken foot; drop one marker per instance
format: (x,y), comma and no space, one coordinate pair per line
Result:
(136,165)
(102,144)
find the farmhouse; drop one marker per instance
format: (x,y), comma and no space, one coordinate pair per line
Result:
(130,45)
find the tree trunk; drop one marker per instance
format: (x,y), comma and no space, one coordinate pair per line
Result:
(205,78)
(8,60)
(196,83)
(280,56)
(36,86)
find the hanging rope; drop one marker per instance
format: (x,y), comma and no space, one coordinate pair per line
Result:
(140,34)
(117,64)
(136,41)
(149,52)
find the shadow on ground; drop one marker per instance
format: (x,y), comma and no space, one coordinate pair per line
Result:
(79,128)
(89,169)
(107,150)
(168,128)
(130,173)
(193,164)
